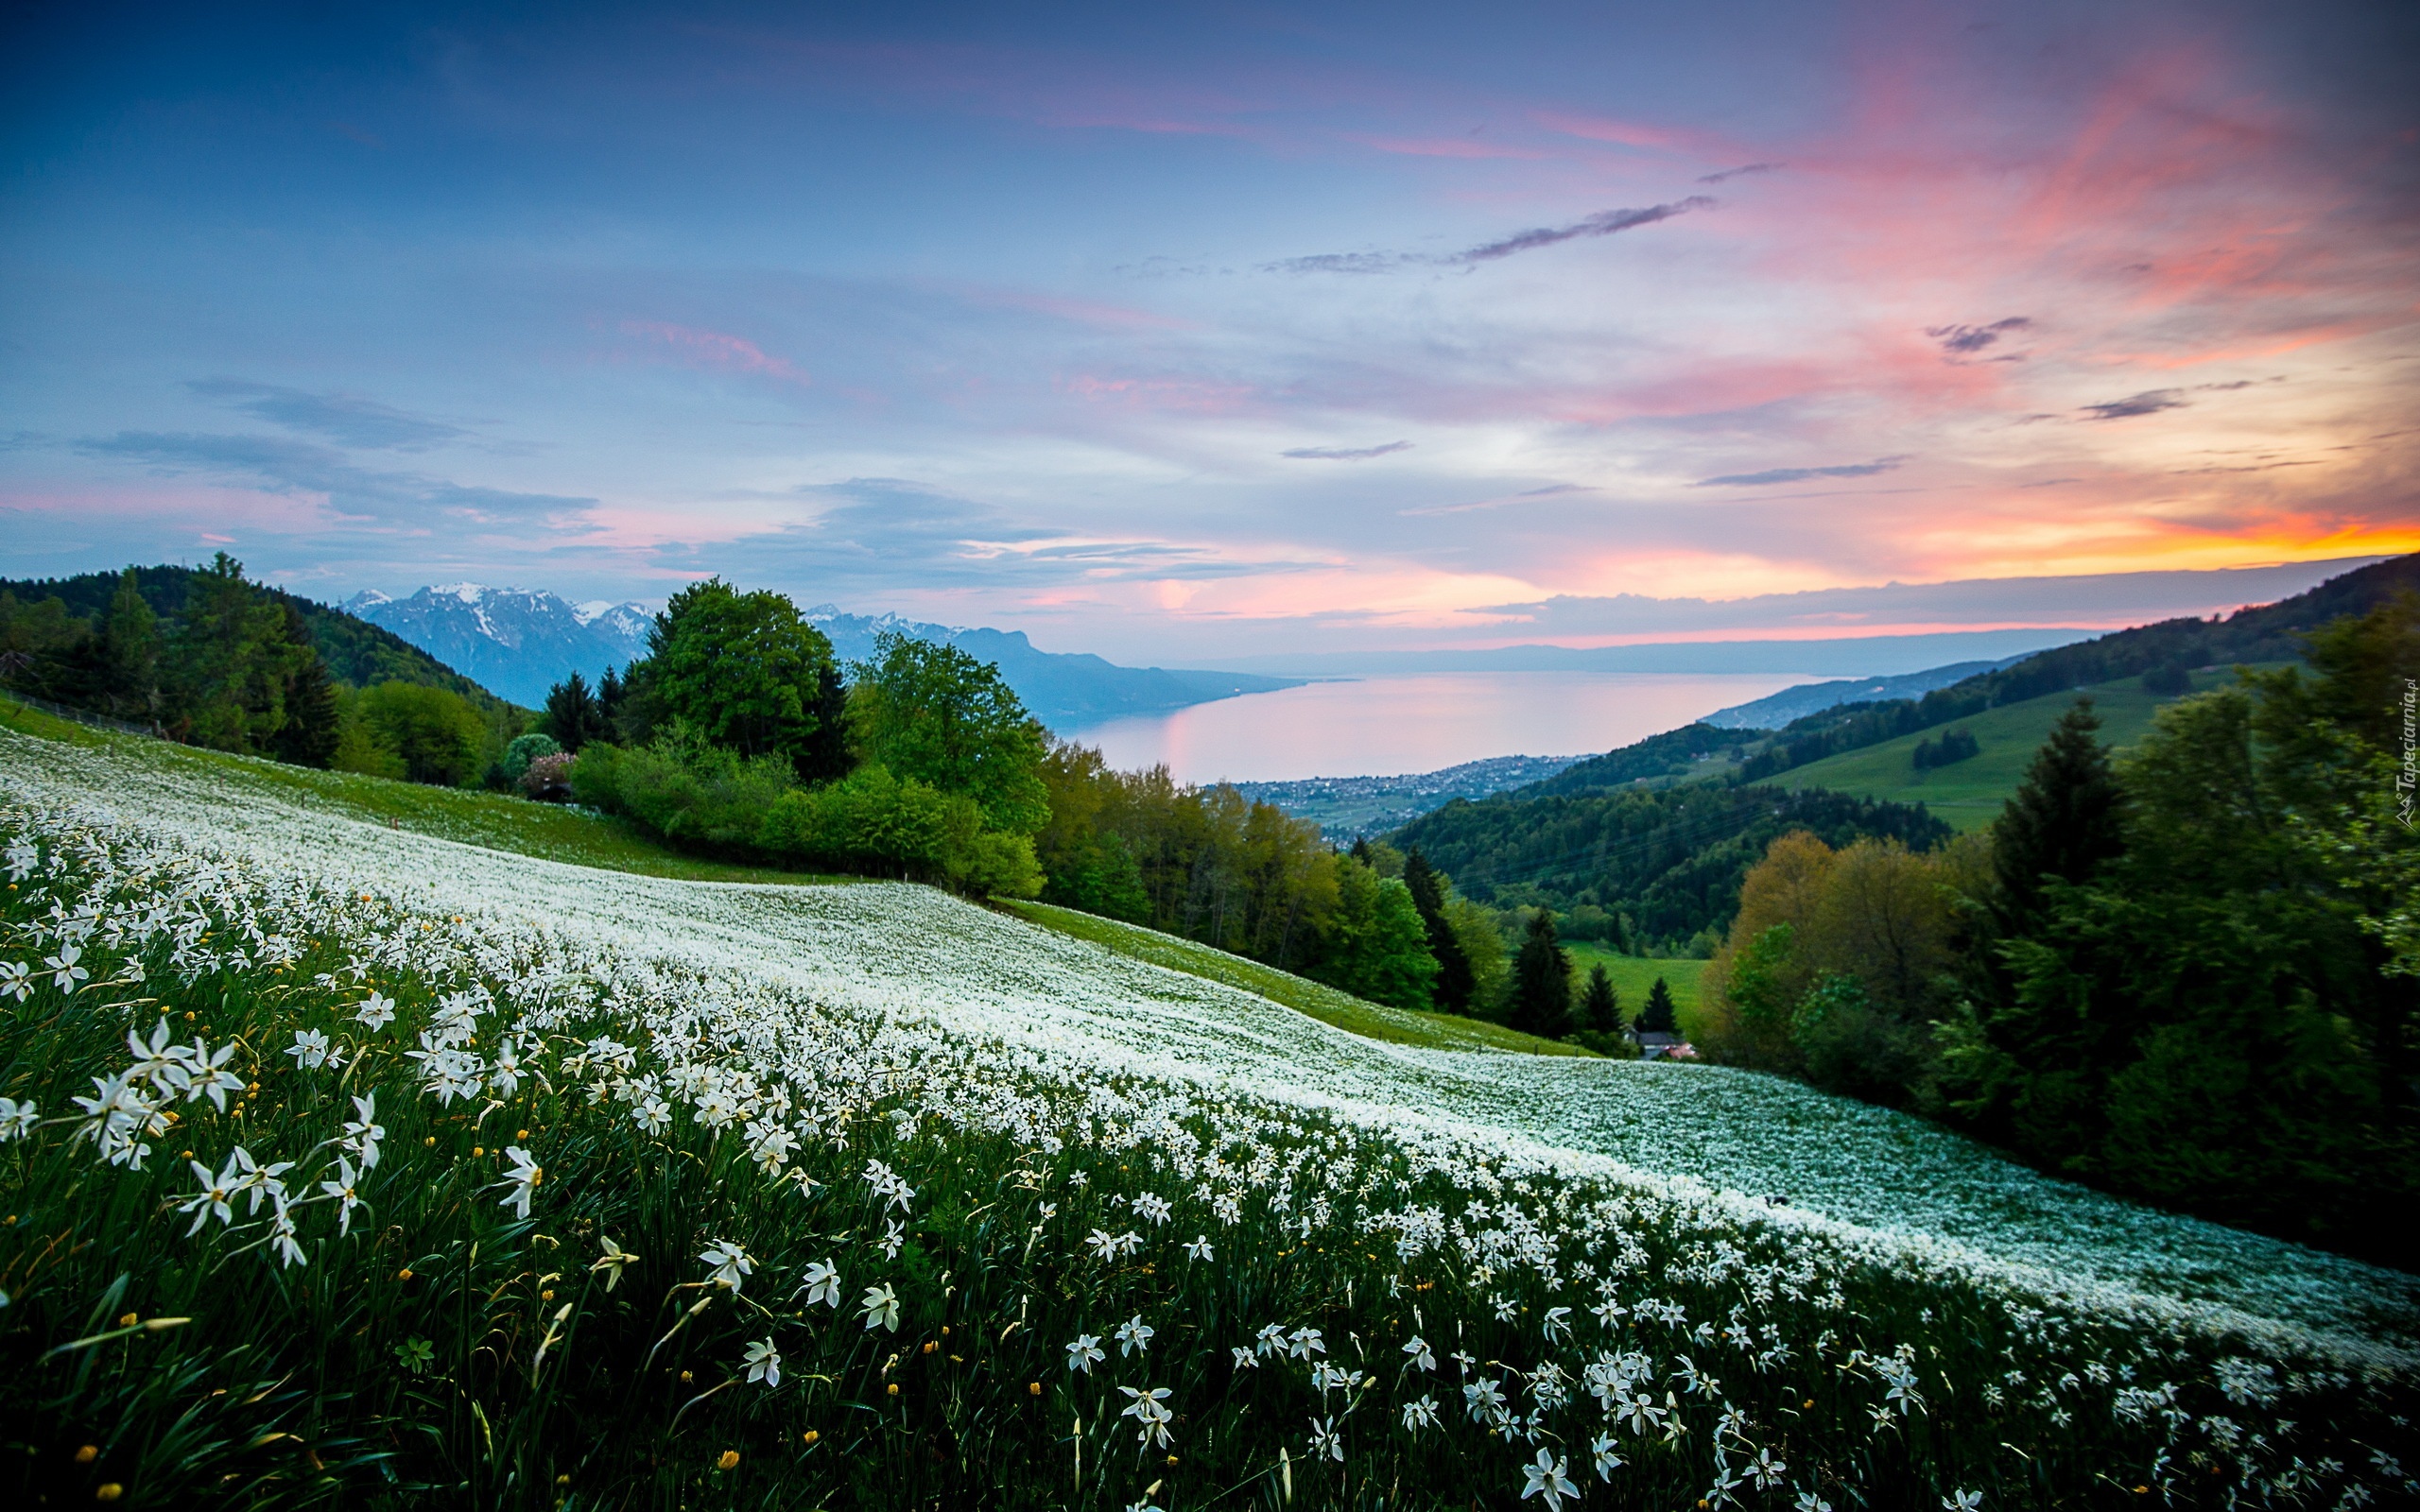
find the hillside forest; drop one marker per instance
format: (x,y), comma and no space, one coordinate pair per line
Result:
(2185,971)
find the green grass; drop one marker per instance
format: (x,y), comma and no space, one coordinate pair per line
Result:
(1632,975)
(492,821)
(1434,1031)
(1969,795)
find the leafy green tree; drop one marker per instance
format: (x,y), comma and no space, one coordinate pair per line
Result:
(527,748)
(434,732)
(1659,1016)
(573,715)
(1600,1006)
(934,714)
(1377,948)
(1455,982)
(742,669)
(1542,981)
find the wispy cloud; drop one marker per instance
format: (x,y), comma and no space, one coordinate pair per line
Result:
(279,466)
(2150,401)
(1603,223)
(344,419)
(1345,454)
(1740,172)
(1801,474)
(1550,490)
(1966,340)
(714,349)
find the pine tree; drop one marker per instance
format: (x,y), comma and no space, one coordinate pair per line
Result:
(1600,1006)
(574,716)
(1658,1016)
(130,653)
(307,698)
(1542,982)
(825,756)
(2065,820)
(1456,981)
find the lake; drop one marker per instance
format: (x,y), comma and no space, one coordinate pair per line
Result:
(1380,726)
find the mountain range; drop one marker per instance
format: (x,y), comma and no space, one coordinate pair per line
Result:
(1777,709)
(521,642)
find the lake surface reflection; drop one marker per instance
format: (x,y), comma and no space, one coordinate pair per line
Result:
(1380,726)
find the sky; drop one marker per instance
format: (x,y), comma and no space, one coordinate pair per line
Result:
(1180,333)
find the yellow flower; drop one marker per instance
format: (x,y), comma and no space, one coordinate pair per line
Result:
(729,1460)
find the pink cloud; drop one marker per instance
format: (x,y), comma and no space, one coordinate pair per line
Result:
(716,349)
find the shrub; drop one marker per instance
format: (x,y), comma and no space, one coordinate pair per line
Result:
(434,731)
(525,749)
(548,778)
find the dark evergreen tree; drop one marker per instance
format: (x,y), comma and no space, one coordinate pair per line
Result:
(2065,820)
(307,697)
(1542,982)
(1455,981)
(612,697)
(1600,1006)
(1657,1017)
(574,716)
(825,757)
(130,654)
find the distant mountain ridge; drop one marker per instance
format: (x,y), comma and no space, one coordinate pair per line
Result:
(357,651)
(521,642)
(1772,711)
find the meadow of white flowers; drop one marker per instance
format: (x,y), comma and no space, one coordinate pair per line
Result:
(1516,1278)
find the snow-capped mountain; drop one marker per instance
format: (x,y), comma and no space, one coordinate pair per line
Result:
(516,641)
(520,642)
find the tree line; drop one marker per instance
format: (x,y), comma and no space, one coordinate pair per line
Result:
(2188,972)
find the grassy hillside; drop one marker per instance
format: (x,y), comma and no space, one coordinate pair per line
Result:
(1634,975)
(1969,795)
(1438,1031)
(715,1195)
(492,821)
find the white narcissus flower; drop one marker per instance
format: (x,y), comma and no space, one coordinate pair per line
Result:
(1199,1248)
(1547,1478)
(613,1262)
(1086,1352)
(1134,1336)
(1607,1460)
(523,1178)
(1420,1358)
(881,1305)
(376,1012)
(342,1190)
(1420,1414)
(17,1119)
(822,1284)
(763,1363)
(727,1264)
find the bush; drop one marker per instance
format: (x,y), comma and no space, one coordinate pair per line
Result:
(689,791)
(434,731)
(871,821)
(525,749)
(548,778)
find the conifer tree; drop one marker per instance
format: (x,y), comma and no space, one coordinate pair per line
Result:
(574,716)
(1600,1006)
(130,653)
(1456,981)
(1542,982)
(308,697)
(1658,1016)
(2065,820)
(825,757)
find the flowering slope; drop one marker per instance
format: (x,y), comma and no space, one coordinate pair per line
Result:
(531,1173)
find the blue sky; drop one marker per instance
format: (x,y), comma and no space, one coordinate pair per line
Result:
(1239,329)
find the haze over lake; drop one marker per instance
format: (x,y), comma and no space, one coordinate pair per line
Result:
(1379,726)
